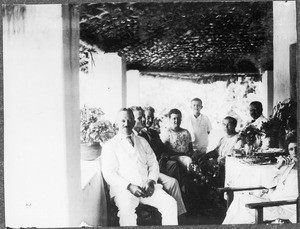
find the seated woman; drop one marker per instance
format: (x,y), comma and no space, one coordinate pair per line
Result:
(169,167)
(227,143)
(178,140)
(286,189)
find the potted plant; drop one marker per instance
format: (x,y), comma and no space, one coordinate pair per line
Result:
(282,122)
(270,129)
(94,131)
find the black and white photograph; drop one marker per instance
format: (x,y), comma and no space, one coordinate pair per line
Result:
(149,113)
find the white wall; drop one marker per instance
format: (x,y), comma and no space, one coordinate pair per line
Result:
(103,86)
(284,16)
(41,142)
(133,88)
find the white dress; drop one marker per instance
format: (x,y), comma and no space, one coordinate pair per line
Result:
(286,189)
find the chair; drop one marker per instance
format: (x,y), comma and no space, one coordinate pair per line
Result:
(230,192)
(258,207)
(146,215)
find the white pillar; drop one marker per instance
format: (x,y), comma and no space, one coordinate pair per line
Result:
(41,106)
(284,17)
(104,86)
(124,82)
(133,88)
(268,91)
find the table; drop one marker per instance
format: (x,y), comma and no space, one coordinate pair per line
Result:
(240,175)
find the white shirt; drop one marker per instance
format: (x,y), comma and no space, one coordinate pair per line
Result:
(198,128)
(258,122)
(123,164)
(227,144)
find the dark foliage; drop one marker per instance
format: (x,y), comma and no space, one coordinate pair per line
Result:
(205,172)
(202,188)
(283,120)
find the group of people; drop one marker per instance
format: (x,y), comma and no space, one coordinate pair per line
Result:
(142,166)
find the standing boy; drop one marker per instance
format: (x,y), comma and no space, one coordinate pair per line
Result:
(199,127)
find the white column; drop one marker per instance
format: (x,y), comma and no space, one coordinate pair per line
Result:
(284,17)
(133,88)
(268,91)
(41,108)
(104,87)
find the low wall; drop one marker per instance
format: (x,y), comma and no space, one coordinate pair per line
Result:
(94,200)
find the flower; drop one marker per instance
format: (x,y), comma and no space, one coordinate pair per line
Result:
(93,128)
(249,134)
(205,172)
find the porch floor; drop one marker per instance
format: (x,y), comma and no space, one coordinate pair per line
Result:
(204,209)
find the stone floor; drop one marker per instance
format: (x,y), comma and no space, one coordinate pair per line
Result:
(204,207)
(203,216)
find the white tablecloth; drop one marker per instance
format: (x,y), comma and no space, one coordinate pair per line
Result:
(240,175)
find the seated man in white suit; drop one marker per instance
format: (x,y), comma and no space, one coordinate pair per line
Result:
(130,168)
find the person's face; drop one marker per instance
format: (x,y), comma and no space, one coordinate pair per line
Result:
(255,112)
(175,121)
(125,122)
(292,148)
(139,118)
(196,107)
(229,128)
(149,118)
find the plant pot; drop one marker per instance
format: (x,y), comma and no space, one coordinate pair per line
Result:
(90,151)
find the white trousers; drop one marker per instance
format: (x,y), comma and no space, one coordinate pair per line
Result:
(171,186)
(127,203)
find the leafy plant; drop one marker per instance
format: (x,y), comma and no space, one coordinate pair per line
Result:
(249,134)
(93,128)
(271,127)
(286,112)
(86,53)
(205,172)
(283,121)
